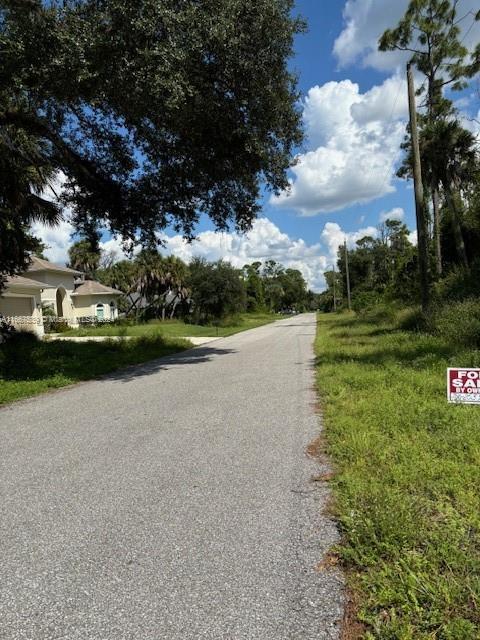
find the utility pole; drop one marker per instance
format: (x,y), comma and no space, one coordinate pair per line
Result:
(420,208)
(347,271)
(334,289)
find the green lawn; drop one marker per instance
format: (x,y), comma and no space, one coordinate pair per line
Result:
(177,328)
(29,367)
(407,488)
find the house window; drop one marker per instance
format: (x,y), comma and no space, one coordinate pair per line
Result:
(112,309)
(100,312)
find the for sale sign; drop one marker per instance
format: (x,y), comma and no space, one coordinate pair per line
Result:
(463,386)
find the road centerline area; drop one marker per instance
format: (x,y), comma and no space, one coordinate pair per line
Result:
(173,500)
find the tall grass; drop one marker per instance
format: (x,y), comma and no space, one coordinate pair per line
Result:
(408,483)
(29,367)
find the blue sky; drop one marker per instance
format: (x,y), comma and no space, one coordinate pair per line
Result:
(354,104)
(316,64)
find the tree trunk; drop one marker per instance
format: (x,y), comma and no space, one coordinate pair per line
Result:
(420,209)
(457,229)
(436,227)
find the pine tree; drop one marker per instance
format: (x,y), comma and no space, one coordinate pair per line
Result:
(430,31)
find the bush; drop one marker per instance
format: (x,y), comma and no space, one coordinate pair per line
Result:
(413,320)
(235,320)
(459,284)
(56,326)
(366,301)
(382,312)
(7,331)
(459,322)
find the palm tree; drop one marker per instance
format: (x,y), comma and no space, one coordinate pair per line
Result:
(24,177)
(452,155)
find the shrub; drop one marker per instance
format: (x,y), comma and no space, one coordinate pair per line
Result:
(366,300)
(7,331)
(459,322)
(229,321)
(413,320)
(382,312)
(55,326)
(459,284)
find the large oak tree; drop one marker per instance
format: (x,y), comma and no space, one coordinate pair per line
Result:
(155,111)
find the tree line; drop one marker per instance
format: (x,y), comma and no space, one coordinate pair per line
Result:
(158,286)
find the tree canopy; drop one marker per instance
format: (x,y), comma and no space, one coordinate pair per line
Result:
(154,111)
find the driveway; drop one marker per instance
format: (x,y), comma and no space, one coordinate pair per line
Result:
(171,501)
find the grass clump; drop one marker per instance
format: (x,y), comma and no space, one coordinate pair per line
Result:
(29,366)
(407,488)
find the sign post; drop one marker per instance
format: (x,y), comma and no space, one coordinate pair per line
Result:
(463,386)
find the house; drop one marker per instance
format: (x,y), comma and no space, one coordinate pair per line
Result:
(64,291)
(21,303)
(71,296)
(90,298)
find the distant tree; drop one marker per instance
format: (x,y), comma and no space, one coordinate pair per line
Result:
(332,297)
(216,289)
(84,255)
(254,286)
(38,248)
(313,301)
(153,284)
(272,284)
(294,290)
(122,276)
(380,268)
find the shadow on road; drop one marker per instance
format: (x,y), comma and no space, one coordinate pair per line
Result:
(199,355)
(295,324)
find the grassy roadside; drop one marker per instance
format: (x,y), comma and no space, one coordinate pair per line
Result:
(29,367)
(408,483)
(177,328)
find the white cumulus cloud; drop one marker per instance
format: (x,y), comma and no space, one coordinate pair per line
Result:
(265,241)
(58,239)
(366,20)
(334,237)
(394,214)
(356,143)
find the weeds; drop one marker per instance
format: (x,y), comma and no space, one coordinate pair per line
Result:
(29,367)
(407,488)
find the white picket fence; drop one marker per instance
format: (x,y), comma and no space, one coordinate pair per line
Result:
(18,321)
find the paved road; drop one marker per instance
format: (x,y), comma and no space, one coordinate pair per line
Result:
(173,501)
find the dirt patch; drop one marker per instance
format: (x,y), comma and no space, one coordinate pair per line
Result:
(323,477)
(317,448)
(330,561)
(352,629)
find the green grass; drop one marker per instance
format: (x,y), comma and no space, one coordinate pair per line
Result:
(29,367)
(177,328)
(407,488)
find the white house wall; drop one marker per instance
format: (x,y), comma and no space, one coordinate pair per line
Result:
(57,280)
(34,321)
(86,306)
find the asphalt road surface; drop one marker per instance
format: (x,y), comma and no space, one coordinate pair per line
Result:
(171,501)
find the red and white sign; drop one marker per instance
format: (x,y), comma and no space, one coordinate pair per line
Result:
(463,386)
